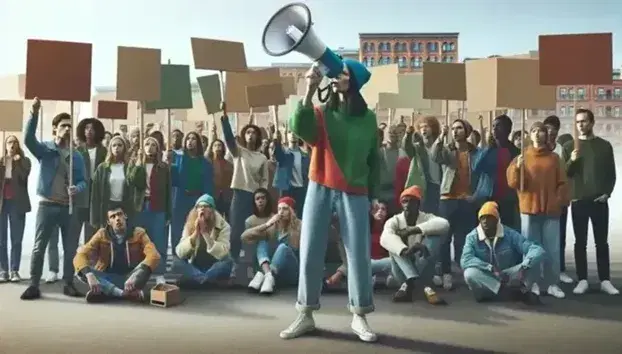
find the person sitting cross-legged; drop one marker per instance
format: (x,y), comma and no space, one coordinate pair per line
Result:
(203,255)
(497,260)
(413,239)
(126,257)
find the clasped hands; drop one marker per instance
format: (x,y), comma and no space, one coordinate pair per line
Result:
(415,247)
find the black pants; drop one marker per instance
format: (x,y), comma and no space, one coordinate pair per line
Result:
(584,211)
(563,221)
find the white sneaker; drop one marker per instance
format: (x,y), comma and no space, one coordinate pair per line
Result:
(52,278)
(302,325)
(447,282)
(535,288)
(255,284)
(268,284)
(555,291)
(437,280)
(361,328)
(608,288)
(160,279)
(581,288)
(565,278)
(390,282)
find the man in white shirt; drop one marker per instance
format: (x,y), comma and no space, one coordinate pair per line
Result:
(413,239)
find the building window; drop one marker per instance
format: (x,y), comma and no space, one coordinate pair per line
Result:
(396,60)
(388,46)
(444,59)
(380,60)
(434,59)
(402,62)
(600,111)
(365,47)
(617,93)
(617,112)
(451,59)
(571,93)
(370,61)
(381,47)
(608,111)
(562,111)
(372,48)
(365,61)
(403,47)
(608,94)
(445,46)
(563,93)
(600,93)
(452,46)
(416,62)
(387,60)
(432,47)
(581,93)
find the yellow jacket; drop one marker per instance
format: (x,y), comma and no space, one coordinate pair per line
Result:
(218,241)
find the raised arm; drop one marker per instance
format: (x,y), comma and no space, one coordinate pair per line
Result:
(227,132)
(36,148)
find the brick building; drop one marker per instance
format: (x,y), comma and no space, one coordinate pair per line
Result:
(408,50)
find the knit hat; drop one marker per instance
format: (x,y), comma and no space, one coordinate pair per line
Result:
(413,191)
(358,71)
(489,208)
(289,201)
(206,199)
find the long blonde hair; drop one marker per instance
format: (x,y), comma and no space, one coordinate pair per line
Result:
(158,157)
(109,158)
(292,228)
(191,219)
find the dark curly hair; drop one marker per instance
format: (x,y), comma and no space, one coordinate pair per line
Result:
(257,141)
(98,126)
(199,142)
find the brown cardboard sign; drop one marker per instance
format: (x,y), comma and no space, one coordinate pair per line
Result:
(58,71)
(444,81)
(383,79)
(138,74)
(21,85)
(388,100)
(290,85)
(265,95)
(12,113)
(213,54)
(576,59)
(235,87)
(112,109)
(498,83)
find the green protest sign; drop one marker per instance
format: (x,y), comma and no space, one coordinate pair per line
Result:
(210,91)
(175,89)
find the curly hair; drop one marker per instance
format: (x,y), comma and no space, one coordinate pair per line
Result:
(257,140)
(432,122)
(197,136)
(98,126)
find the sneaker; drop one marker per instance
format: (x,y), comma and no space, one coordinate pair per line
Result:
(535,288)
(581,288)
(52,278)
(4,277)
(31,293)
(556,292)
(267,287)
(302,325)
(95,298)
(530,298)
(257,281)
(15,278)
(432,297)
(361,328)
(437,280)
(448,282)
(565,278)
(71,291)
(608,288)
(403,294)
(160,279)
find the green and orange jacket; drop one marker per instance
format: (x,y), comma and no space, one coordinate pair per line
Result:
(345,152)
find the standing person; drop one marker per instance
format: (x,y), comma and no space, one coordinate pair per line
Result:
(55,188)
(250,172)
(14,204)
(107,137)
(223,173)
(134,144)
(540,202)
(389,154)
(591,171)
(152,198)
(90,132)
(343,174)
(159,137)
(291,178)
(177,139)
(191,177)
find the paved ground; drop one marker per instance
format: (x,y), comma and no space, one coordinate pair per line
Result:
(230,321)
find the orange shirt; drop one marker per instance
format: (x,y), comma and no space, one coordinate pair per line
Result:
(461,187)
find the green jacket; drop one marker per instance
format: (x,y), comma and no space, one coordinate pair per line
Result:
(160,181)
(418,163)
(100,193)
(82,199)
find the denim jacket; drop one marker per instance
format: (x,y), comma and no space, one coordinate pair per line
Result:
(285,168)
(48,155)
(448,161)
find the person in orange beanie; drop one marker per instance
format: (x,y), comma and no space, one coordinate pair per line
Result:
(496,257)
(413,240)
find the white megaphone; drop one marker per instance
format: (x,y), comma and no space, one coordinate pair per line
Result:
(290,29)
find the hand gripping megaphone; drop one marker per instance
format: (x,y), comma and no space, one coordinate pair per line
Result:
(290,29)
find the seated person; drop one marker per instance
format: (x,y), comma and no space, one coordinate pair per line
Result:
(413,239)
(284,230)
(125,256)
(495,258)
(262,208)
(380,261)
(203,253)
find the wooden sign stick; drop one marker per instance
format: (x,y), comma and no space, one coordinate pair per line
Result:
(575,130)
(168,124)
(71,158)
(40,122)
(523,117)
(275,116)
(447,120)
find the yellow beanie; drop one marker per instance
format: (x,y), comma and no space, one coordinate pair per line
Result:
(489,208)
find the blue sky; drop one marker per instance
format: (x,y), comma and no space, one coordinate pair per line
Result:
(486,26)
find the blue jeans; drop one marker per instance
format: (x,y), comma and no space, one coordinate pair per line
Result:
(154,222)
(241,208)
(189,273)
(183,204)
(17,222)
(111,281)
(485,285)
(415,267)
(462,219)
(380,267)
(353,213)
(284,261)
(431,198)
(544,231)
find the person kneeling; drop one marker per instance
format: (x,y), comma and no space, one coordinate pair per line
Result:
(284,227)
(126,257)
(203,255)
(413,240)
(497,258)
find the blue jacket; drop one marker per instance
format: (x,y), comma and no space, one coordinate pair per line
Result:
(486,165)
(48,155)
(508,249)
(285,167)
(179,175)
